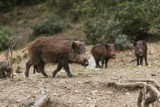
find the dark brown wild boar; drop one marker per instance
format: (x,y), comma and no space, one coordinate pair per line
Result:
(55,50)
(140,48)
(103,52)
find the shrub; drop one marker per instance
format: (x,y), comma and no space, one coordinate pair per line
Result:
(12,3)
(50,26)
(101,30)
(122,42)
(6,38)
(17,59)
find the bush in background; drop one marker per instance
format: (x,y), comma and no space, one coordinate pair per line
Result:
(50,26)
(101,30)
(6,38)
(122,42)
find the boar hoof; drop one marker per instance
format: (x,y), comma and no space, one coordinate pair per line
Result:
(53,76)
(27,78)
(70,75)
(46,76)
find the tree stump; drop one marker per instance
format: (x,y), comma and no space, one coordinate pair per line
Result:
(5,69)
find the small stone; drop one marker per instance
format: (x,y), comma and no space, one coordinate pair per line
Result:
(33,96)
(17,101)
(153,74)
(94,92)
(55,94)
(92,105)
(80,101)
(127,93)
(109,92)
(68,87)
(89,99)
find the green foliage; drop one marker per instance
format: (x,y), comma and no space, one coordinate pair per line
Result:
(122,42)
(6,38)
(50,26)
(105,20)
(10,4)
(101,30)
(64,8)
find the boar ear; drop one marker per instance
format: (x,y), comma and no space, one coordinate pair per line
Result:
(115,45)
(143,42)
(74,45)
(83,41)
(133,42)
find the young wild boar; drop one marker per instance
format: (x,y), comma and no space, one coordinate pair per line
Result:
(103,52)
(140,48)
(55,50)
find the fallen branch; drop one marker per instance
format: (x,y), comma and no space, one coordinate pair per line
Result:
(132,60)
(148,81)
(117,85)
(153,91)
(42,101)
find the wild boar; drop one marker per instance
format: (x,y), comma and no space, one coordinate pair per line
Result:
(103,52)
(140,50)
(55,50)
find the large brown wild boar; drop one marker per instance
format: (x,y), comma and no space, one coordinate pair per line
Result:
(55,50)
(140,48)
(103,52)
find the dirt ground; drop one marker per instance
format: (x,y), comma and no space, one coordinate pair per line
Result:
(84,90)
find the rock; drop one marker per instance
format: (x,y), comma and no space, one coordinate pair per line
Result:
(92,105)
(89,99)
(80,101)
(76,92)
(68,87)
(109,92)
(94,92)
(153,74)
(55,94)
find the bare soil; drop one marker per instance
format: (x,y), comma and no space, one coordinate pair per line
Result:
(84,89)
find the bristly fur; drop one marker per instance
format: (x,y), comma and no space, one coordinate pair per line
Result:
(54,50)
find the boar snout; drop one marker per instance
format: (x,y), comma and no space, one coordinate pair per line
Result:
(113,56)
(140,54)
(85,62)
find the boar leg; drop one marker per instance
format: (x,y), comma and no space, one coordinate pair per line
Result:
(102,62)
(28,65)
(66,68)
(97,63)
(106,62)
(138,60)
(35,69)
(145,58)
(40,68)
(141,60)
(59,67)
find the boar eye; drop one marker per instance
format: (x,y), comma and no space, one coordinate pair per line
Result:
(106,45)
(134,43)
